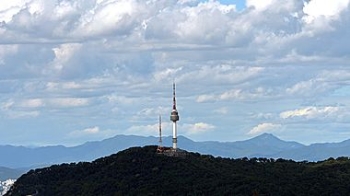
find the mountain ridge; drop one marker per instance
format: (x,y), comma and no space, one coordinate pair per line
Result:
(264,145)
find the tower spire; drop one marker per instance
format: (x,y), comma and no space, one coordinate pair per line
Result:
(174,98)
(174,117)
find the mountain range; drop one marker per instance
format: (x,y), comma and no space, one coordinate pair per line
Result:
(265,145)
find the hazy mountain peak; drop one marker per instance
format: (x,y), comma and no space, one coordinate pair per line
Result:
(267,136)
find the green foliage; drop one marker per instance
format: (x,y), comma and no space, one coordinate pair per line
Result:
(140,171)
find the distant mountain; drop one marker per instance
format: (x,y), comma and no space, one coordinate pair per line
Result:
(265,145)
(23,157)
(8,173)
(317,152)
(141,171)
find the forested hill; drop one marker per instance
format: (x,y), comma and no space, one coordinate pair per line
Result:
(140,171)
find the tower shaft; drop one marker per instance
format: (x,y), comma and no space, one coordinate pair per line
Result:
(174,135)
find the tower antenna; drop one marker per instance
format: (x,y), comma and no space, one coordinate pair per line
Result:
(174,97)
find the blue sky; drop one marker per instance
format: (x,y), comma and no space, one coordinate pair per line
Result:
(85,70)
(240,4)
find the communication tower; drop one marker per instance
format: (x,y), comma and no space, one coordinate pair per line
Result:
(160,148)
(174,117)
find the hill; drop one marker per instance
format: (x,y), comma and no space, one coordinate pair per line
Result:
(140,171)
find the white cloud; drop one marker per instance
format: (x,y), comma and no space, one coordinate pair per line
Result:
(183,129)
(235,94)
(115,99)
(68,102)
(6,50)
(107,19)
(22,114)
(32,103)
(324,82)
(306,88)
(337,76)
(259,5)
(264,127)
(93,133)
(63,54)
(85,132)
(264,116)
(201,23)
(12,110)
(221,74)
(7,105)
(166,74)
(312,112)
(316,9)
(91,130)
(10,8)
(152,112)
(222,110)
(143,130)
(206,98)
(197,128)
(55,86)
(152,129)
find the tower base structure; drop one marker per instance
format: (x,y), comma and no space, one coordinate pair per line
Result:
(170,152)
(174,135)
(174,144)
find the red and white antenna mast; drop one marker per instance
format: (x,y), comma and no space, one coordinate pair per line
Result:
(160,132)
(160,148)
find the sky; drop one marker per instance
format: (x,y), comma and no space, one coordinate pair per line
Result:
(73,71)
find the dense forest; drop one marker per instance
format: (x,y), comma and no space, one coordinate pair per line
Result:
(141,171)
